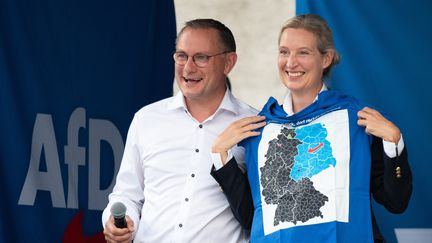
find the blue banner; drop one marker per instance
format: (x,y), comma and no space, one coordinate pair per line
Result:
(72,74)
(385,49)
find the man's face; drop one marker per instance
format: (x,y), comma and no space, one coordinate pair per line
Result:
(201,83)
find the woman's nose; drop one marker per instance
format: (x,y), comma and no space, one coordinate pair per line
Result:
(291,61)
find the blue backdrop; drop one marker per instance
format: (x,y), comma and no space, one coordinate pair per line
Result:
(72,74)
(386,52)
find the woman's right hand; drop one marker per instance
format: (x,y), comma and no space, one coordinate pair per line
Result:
(235,133)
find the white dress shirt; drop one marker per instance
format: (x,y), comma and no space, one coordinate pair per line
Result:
(164,178)
(389,147)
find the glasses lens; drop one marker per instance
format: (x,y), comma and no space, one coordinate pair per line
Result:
(180,58)
(201,60)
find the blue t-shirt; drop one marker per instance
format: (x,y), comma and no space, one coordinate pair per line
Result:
(310,172)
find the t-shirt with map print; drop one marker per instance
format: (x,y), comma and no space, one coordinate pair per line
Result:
(292,159)
(302,170)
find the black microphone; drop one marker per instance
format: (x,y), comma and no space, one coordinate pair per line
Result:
(118,211)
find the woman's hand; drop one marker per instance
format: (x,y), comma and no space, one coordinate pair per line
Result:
(235,133)
(378,125)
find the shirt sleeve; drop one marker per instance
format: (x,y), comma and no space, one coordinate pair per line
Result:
(390,148)
(129,185)
(236,152)
(217,160)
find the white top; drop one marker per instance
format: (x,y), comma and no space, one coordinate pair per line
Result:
(164,178)
(389,147)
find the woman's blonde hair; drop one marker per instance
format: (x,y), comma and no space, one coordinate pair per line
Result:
(318,26)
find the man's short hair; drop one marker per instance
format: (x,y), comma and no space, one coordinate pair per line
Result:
(226,37)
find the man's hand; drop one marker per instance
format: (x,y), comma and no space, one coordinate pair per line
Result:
(117,235)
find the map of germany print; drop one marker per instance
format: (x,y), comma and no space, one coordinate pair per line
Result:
(296,155)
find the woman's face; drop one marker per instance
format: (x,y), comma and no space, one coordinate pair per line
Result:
(300,63)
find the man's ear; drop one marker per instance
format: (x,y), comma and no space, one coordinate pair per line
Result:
(231,59)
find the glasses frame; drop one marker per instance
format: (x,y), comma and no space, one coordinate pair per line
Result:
(194,56)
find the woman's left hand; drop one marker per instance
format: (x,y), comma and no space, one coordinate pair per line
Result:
(377,125)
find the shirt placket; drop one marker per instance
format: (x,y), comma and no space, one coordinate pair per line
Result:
(183,221)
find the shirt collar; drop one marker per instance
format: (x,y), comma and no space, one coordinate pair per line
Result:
(287,103)
(177,102)
(229,103)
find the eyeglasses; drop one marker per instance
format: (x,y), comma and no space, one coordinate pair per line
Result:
(201,60)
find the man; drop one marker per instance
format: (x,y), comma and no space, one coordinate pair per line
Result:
(164,179)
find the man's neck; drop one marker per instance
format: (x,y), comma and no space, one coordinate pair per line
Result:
(201,109)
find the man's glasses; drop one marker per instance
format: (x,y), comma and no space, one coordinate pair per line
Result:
(201,60)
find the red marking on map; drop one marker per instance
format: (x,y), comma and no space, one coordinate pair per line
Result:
(312,150)
(74,232)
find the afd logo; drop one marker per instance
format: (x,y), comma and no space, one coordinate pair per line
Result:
(44,139)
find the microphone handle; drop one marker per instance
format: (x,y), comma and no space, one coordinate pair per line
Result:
(120,222)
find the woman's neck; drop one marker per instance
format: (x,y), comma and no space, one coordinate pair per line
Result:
(301,100)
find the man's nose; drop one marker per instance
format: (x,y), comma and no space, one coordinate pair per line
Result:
(190,65)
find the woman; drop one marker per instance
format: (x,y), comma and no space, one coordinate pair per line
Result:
(314,162)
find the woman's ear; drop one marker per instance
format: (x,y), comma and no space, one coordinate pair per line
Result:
(328,58)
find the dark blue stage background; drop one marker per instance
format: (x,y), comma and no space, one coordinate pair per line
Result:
(72,74)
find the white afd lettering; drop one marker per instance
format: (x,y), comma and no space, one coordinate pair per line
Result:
(74,156)
(51,180)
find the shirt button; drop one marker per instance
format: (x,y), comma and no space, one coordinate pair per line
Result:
(200,126)
(187,199)
(193,175)
(180,225)
(197,150)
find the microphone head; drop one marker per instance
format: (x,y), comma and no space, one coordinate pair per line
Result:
(118,210)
